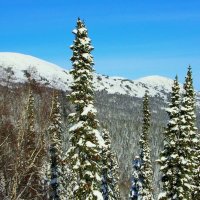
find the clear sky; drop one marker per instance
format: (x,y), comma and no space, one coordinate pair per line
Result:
(132,38)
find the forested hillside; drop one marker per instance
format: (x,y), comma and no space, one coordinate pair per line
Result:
(121,114)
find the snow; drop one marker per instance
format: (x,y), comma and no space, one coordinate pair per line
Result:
(98,195)
(87,56)
(160,83)
(135,87)
(163,158)
(118,77)
(157,81)
(74,31)
(72,115)
(55,76)
(98,177)
(82,30)
(90,144)
(174,155)
(162,195)
(77,126)
(89,173)
(99,138)
(89,109)
(85,41)
(195,140)
(20,62)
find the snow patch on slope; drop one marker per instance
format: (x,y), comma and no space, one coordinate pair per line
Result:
(157,82)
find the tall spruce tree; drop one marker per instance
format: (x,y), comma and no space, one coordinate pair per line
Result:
(170,156)
(84,153)
(143,186)
(188,139)
(196,192)
(110,178)
(57,191)
(179,158)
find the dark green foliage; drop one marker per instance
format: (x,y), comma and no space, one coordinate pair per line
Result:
(179,158)
(110,177)
(143,189)
(169,158)
(84,153)
(187,138)
(57,191)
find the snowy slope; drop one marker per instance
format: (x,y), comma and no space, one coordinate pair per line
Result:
(45,70)
(157,82)
(54,76)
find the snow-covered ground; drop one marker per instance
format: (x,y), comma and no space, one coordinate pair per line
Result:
(55,76)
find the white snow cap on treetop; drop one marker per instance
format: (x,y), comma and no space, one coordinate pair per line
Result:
(82,30)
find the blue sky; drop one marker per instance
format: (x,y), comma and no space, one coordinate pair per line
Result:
(132,38)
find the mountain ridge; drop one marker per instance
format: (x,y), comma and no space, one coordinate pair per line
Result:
(54,76)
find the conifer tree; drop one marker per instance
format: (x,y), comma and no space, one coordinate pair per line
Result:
(196,192)
(115,175)
(55,131)
(84,153)
(110,167)
(188,140)
(144,180)
(194,135)
(136,181)
(179,157)
(170,156)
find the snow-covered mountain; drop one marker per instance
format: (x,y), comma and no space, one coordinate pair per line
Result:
(54,76)
(121,114)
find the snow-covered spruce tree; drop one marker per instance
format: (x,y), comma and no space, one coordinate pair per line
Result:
(115,175)
(57,191)
(170,156)
(144,186)
(110,178)
(194,135)
(135,182)
(196,192)
(86,141)
(188,140)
